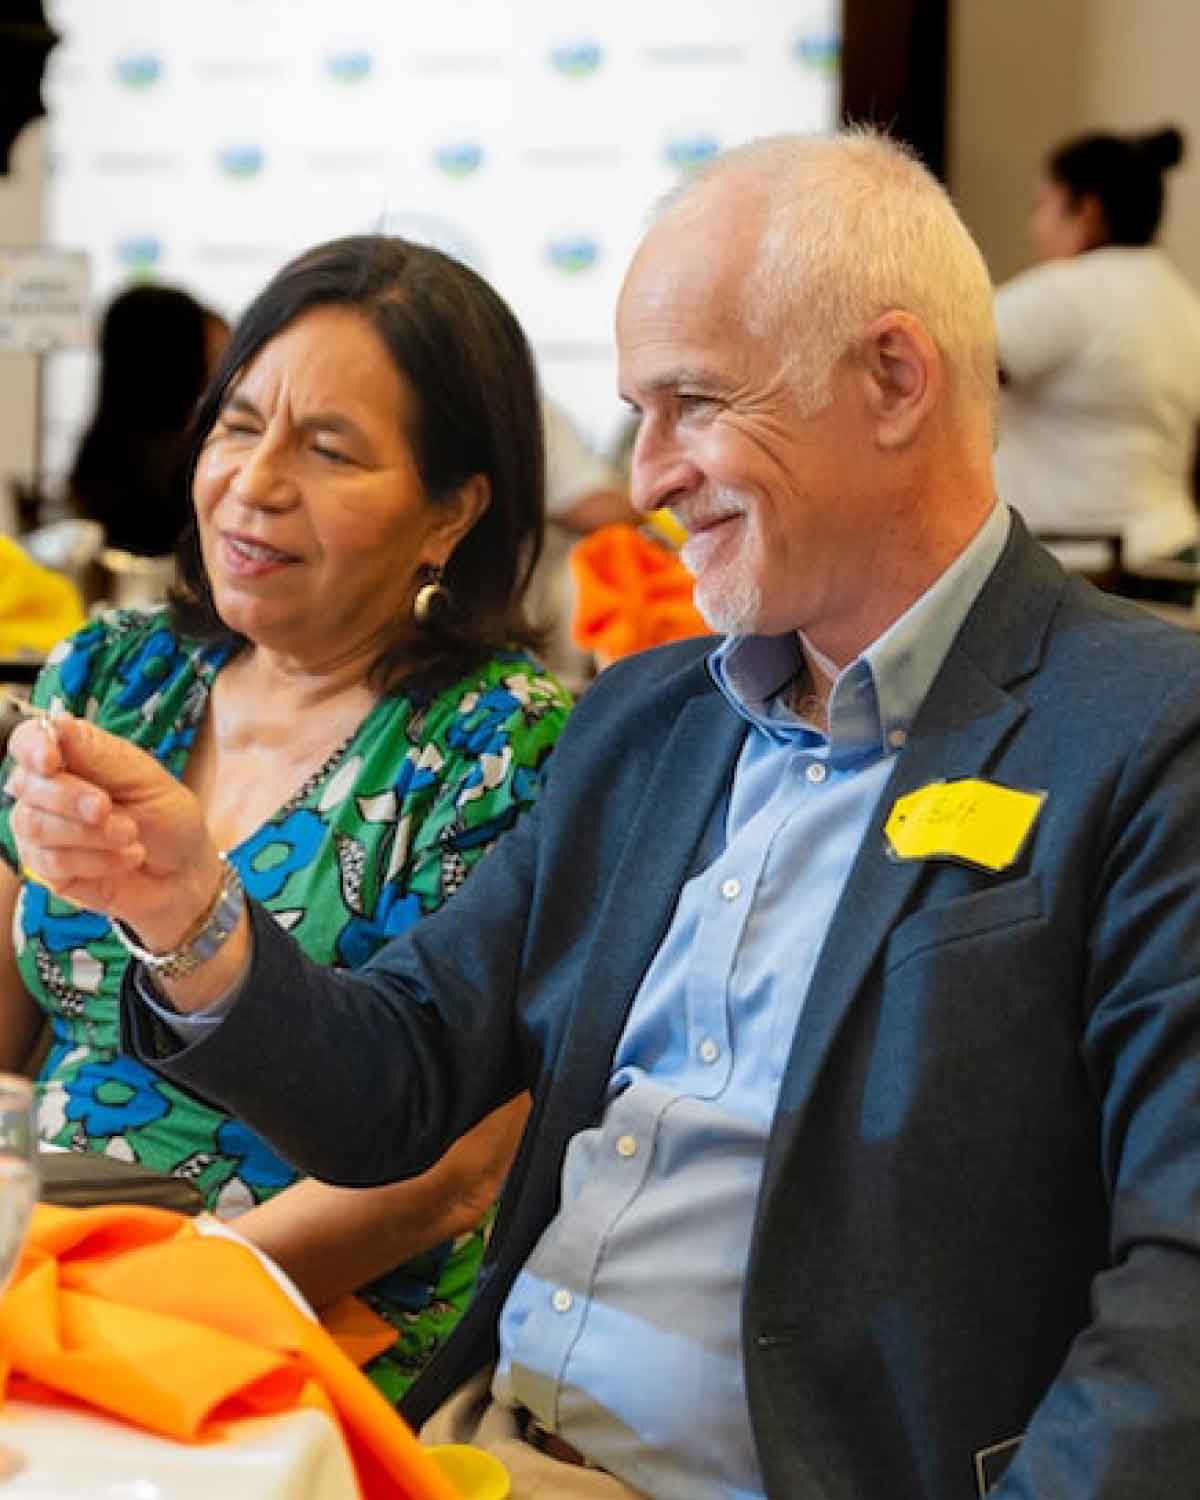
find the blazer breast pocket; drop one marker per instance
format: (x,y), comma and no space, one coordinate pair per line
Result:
(974,916)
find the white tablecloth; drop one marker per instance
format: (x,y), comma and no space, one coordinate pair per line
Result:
(77,1453)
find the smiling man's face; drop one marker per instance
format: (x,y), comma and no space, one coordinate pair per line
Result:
(778,502)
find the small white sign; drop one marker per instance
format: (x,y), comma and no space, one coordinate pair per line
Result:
(45,300)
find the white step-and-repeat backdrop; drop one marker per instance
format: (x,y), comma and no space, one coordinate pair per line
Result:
(202,144)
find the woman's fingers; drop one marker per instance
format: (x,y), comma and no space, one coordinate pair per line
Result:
(68,835)
(102,760)
(86,761)
(60,869)
(36,823)
(64,794)
(34,746)
(103,824)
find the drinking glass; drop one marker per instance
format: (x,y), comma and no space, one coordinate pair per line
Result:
(18,1194)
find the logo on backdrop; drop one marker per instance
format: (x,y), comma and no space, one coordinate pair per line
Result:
(688,53)
(576,58)
(138,70)
(458,158)
(139,253)
(242,161)
(349,66)
(138,163)
(572,253)
(687,152)
(819,50)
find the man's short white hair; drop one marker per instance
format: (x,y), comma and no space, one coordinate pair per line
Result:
(853,226)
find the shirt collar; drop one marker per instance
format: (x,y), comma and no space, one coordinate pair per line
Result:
(876,697)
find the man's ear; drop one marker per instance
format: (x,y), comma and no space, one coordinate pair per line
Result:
(903,377)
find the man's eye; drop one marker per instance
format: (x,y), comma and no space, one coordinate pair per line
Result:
(331,454)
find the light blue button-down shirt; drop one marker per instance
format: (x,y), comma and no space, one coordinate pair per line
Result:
(623,1332)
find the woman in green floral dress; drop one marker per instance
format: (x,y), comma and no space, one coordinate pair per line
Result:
(344,683)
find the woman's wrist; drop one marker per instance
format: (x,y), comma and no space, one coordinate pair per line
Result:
(202,939)
(187,897)
(215,980)
(196,950)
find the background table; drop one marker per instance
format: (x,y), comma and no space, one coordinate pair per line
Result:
(80,1179)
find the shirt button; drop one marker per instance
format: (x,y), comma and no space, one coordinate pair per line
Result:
(816,772)
(731,889)
(709,1051)
(562,1300)
(626,1145)
(897,738)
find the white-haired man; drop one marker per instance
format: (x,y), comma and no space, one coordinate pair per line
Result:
(850,959)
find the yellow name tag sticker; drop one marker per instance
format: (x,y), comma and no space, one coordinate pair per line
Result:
(974,821)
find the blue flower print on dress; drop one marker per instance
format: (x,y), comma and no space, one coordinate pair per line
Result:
(256,1164)
(412,1285)
(395,912)
(412,777)
(75,670)
(482,730)
(58,933)
(109,1098)
(150,669)
(524,782)
(174,740)
(267,859)
(485,833)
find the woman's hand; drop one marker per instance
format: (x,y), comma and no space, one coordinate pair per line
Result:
(104,825)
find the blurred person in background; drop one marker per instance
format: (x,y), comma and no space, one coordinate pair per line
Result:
(583,494)
(342,682)
(1100,358)
(158,347)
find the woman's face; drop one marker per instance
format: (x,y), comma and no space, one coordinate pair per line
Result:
(1061,225)
(312,517)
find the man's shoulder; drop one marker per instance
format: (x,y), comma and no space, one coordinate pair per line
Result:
(1033,617)
(1109,660)
(645,693)
(678,668)
(1131,634)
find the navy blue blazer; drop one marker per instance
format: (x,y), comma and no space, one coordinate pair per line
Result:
(979,1219)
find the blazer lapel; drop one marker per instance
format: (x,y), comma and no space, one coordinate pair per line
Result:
(963,724)
(692,772)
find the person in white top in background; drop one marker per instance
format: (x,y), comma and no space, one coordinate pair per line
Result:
(1100,356)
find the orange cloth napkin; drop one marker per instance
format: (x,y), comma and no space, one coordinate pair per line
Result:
(128,1309)
(631,592)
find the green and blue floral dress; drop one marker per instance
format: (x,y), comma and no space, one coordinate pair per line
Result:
(383,833)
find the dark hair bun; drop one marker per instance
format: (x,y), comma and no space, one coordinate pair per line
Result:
(1162,148)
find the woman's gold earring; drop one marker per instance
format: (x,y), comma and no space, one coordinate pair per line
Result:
(432,598)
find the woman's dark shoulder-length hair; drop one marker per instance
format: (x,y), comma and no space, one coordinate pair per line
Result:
(1125,173)
(459,348)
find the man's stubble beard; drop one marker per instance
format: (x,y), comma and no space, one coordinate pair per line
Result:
(732,602)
